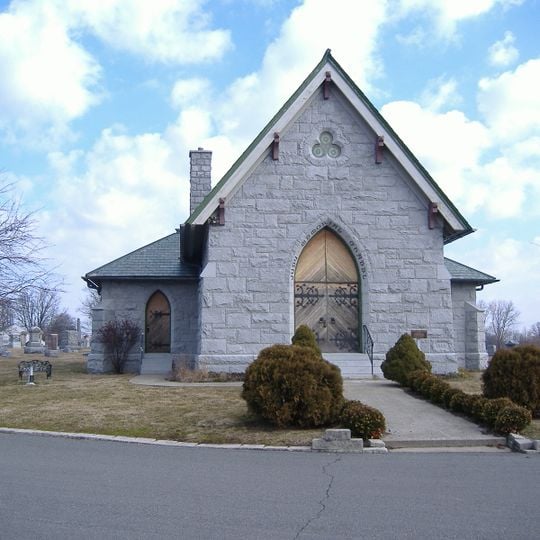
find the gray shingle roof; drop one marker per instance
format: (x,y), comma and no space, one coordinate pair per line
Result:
(461,272)
(158,260)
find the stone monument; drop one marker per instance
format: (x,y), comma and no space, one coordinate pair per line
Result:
(34,344)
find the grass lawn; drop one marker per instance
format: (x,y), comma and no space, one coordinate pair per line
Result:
(471,382)
(75,401)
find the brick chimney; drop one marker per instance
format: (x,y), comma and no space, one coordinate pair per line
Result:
(200,169)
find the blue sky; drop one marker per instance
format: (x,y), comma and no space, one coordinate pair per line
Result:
(100,103)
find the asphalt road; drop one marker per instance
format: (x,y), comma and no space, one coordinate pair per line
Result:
(59,488)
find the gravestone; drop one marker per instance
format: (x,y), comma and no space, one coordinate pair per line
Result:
(69,341)
(51,342)
(34,344)
(22,338)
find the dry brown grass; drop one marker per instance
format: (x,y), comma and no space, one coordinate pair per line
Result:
(471,382)
(75,401)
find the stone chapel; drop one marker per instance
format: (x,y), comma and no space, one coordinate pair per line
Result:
(326,219)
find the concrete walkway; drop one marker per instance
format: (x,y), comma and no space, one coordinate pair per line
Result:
(414,422)
(411,422)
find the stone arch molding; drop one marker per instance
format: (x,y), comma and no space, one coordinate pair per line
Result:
(342,231)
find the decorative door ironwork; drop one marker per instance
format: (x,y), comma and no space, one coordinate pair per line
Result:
(326,293)
(158,324)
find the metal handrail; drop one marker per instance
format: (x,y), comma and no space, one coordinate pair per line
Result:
(367,342)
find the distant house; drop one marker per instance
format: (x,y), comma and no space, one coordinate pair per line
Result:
(327,219)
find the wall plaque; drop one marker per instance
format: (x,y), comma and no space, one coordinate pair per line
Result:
(419,334)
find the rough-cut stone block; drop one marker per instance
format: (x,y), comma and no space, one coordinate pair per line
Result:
(351,445)
(337,435)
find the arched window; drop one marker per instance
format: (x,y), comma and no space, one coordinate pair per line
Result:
(326,293)
(158,324)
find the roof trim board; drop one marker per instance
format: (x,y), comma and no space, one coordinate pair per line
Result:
(293,107)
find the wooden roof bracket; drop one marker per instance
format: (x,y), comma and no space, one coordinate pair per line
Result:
(379,145)
(326,85)
(433,210)
(221,212)
(275,147)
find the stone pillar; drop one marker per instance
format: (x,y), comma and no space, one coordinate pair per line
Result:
(476,356)
(52,342)
(22,338)
(200,174)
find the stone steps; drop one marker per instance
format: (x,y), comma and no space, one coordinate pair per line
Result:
(156,364)
(354,365)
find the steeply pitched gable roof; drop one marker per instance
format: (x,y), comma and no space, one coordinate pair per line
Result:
(158,260)
(456,224)
(463,273)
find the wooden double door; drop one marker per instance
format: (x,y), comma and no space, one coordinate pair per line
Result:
(326,293)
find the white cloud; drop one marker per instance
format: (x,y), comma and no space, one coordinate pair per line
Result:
(160,30)
(440,93)
(503,53)
(446,14)
(515,262)
(510,102)
(188,91)
(47,79)
(448,144)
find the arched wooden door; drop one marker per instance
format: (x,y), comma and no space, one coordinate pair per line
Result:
(158,324)
(326,293)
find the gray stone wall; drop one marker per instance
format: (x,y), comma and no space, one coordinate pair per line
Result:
(200,169)
(469,327)
(127,300)
(247,283)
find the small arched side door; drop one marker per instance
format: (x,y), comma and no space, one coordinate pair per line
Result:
(158,324)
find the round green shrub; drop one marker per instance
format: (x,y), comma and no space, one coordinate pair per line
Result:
(477,408)
(515,373)
(449,395)
(492,408)
(437,390)
(288,385)
(512,419)
(425,386)
(416,378)
(403,358)
(460,402)
(305,337)
(363,421)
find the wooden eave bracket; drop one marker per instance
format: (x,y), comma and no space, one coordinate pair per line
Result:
(379,146)
(275,147)
(221,212)
(433,210)
(326,85)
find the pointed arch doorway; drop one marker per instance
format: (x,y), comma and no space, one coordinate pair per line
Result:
(158,324)
(327,293)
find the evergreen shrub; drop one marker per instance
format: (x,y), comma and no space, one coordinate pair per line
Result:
(437,390)
(512,419)
(477,407)
(459,402)
(515,373)
(449,395)
(305,337)
(363,421)
(492,408)
(402,359)
(416,378)
(289,385)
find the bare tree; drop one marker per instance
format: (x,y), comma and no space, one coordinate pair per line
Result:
(533,335)
(501,317)
(90,301)
(37,306)
(6,313)
(20,265)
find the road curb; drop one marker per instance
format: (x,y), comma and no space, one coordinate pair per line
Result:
(156,442)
